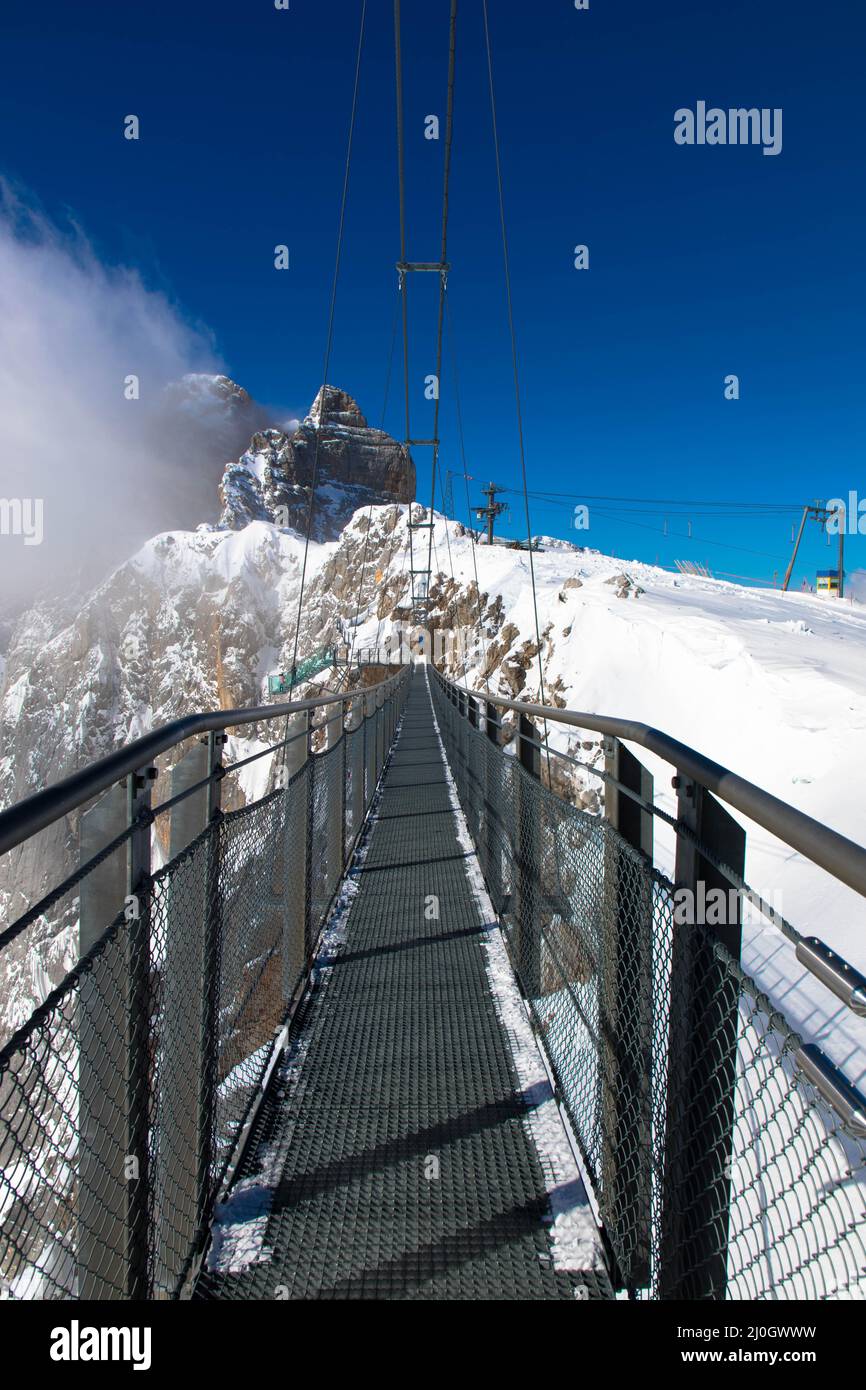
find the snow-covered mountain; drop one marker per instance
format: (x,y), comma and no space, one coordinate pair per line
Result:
(352,465)
(773,685)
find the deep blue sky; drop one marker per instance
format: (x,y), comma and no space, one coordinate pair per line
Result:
(704,261)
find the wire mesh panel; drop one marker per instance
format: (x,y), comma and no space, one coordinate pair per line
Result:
(124,1098)
(354,784)
(326,865)
(371,774)
(183,920)
(65,1126)
(766,1200)
(791,1221)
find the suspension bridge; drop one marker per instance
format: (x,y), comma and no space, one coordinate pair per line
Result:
(287,1059)
(410,1023)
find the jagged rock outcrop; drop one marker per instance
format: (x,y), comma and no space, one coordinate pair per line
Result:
(352,463)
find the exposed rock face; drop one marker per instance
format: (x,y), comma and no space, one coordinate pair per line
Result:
(193,621)
(352,464)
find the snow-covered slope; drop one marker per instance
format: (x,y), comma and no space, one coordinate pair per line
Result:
(772,685)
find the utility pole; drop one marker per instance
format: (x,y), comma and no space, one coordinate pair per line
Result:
(492,510)
(822,516)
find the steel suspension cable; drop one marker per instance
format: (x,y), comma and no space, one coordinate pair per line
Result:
(514,359)
(387,392)
(443,258)
(462,443)
(404,279)
(330,335)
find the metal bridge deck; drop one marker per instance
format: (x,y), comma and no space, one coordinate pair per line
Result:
(400,1066)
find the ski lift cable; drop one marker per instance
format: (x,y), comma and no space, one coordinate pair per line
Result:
(678,535)
(667,501)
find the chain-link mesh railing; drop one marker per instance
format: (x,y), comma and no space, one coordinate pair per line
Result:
(719,1169)
(125,1098)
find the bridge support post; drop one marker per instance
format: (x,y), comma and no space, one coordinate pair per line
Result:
(210,996)
(626,1000)
(528,944)
(180,1062)
(102,1026)
(335,807)
(702,1053)
(380,734)
(296,839)
(369,751)
(139,900)
(114,1066)
(187,1044)
(356,721)
(492,799)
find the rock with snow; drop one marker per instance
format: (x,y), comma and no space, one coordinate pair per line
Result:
(351,464)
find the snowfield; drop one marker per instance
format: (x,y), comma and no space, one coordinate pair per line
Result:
(771,685)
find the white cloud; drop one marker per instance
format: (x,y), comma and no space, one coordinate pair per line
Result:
(71,330)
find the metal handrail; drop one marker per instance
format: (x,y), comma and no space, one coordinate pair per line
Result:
(835,853)
(42,808)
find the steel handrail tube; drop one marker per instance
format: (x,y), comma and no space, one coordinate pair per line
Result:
(39,810)
(827,848)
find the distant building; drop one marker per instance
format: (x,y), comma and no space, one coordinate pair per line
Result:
(827,583)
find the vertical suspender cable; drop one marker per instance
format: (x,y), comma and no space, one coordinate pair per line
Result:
(370,511)
(462,443)
(449,133)
(510,309)
(404,281)
(330,337)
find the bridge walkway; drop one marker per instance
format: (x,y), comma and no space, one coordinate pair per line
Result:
(395,1154)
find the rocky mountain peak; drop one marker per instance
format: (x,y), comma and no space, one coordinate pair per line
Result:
(335,407)
(353,465)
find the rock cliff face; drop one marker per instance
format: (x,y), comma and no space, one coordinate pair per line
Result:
(352,464)
(194,620)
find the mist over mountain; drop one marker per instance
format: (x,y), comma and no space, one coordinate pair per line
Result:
(114,419)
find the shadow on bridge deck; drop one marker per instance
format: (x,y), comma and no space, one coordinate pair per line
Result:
(401,1069)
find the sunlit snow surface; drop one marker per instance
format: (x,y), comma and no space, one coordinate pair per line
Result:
(771,685)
